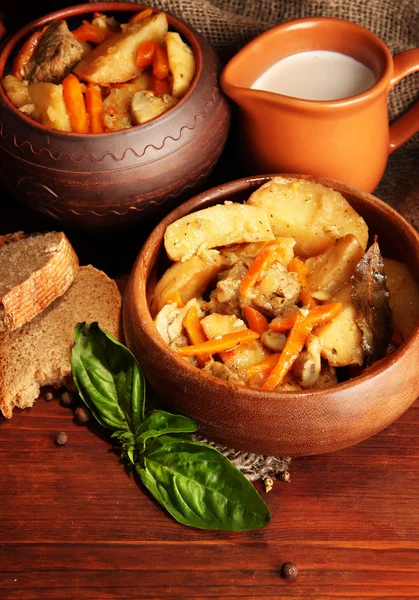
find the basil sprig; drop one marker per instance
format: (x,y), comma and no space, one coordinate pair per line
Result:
(194,482)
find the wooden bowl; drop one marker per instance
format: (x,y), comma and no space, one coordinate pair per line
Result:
(105,181)
(273,423)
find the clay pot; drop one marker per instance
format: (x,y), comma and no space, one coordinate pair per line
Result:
(108,180)
(272,423)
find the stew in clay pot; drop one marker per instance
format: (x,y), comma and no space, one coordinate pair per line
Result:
(103,76)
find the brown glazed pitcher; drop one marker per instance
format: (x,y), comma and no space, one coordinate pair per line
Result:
(348,139)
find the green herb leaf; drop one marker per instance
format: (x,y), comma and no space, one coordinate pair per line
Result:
(108,378)
(195,483)
(128,447)
(200,487)
(160,422)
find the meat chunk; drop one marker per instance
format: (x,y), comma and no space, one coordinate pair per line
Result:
(225,298)
(146,106)
(55,56)
(222,372)
(276,291)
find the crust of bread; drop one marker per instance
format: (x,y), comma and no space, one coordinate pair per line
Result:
(8,238)
(39,352)
(32,291)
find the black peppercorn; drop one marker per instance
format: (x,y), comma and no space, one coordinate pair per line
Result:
(61,438)
(82,415)
(289,570)
(286,476)
(49,396)
(68,398)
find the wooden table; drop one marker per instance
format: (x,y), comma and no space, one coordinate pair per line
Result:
(75,525)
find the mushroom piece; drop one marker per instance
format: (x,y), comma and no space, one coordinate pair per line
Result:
(273,340)
(307,367)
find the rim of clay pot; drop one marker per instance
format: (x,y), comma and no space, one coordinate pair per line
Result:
(180,26)
(148,257)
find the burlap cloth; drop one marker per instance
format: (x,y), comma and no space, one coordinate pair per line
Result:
(230,24)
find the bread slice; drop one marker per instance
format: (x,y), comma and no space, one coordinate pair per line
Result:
(38,353)
(34,271)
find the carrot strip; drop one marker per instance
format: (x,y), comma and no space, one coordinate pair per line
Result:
(195,332)
(265,365)
(145,53)
(89,32)
(74,102)
(225,342)
(175,297)
(160,62)
(26,53)
(160,86)
(259,372)
(296,340)
(297,266)
(255,320)
(141,16)
(263,260)
(282,324)
(258,377)
(94,107)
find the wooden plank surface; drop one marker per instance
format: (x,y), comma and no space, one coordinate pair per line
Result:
(74,524)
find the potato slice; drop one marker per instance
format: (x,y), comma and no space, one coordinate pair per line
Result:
(146,106)
(341,339)
(50,109)
(16,90)
(219,225)
(404,296)
(216,325)
(143,81)
(190,279)
(245,252)
(243,356)
(333,268)
(113,61)
(117,107)
(181,64)
(314,215)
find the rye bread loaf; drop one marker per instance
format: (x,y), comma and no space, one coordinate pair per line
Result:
(38,353)
(34,271)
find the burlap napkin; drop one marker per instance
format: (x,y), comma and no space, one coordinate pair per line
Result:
(230,24)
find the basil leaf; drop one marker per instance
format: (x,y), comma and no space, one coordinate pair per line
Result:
(160,422)
(128,447)
(200,487)
(108,378)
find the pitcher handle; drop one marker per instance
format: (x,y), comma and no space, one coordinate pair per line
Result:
(407,125)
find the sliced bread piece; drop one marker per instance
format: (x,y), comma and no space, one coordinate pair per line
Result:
(34,271)
(38,353)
